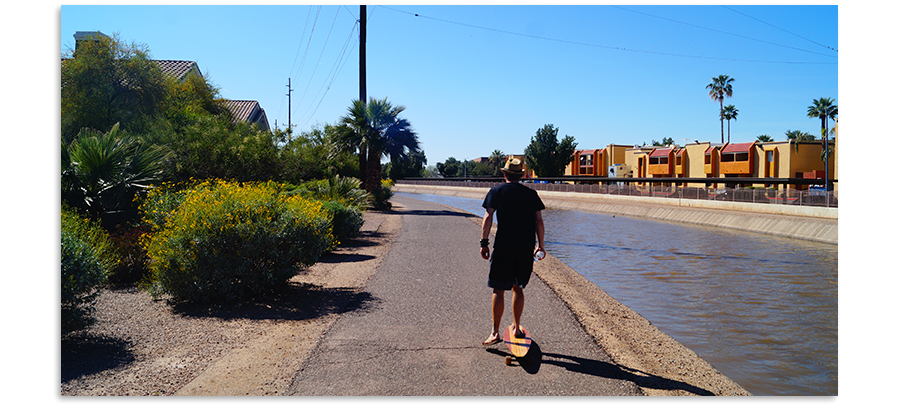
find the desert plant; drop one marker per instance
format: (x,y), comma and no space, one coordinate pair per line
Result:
(382,195)
(344,190)
(228,242)
(103,171)
(87,260)
(346,221)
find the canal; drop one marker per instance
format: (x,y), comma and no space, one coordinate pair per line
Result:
(762,309)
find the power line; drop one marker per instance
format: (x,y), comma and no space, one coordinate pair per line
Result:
(578,43)
(720,31)
(324,46)
(337,67)
(779,28)
(308,42)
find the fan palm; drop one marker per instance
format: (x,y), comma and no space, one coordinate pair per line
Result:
(718,90)
(353,131)
(104,171)
(823,108)
(729,113)
(377,129)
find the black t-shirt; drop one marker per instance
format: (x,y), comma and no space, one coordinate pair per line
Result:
(515,205)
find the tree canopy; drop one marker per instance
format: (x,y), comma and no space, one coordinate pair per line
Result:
(546,155)
(107,82)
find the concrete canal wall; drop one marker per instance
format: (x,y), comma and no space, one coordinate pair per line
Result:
(805,223)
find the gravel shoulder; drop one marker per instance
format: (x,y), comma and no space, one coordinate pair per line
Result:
(144,347)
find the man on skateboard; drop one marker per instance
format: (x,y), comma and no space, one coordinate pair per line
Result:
(519,219)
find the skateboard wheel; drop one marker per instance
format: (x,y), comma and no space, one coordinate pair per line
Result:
(508,360)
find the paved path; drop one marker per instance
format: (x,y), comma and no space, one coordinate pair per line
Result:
(426,310)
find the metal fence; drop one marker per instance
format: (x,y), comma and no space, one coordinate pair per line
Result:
(811,197)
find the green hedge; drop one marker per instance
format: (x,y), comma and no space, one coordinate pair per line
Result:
(225,242)
(87,259)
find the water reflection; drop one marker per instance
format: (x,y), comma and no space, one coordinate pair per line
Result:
(762,309)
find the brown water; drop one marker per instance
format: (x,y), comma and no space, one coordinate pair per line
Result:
(762,309)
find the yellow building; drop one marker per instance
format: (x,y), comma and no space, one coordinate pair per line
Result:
(596,162)
(784,159)
(781,159)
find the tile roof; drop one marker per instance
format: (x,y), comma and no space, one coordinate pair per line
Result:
(661,152)
(248,111)
(738,147)
(178,68)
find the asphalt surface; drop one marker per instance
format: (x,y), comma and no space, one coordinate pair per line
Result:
(417,327)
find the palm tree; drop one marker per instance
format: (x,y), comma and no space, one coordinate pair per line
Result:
(497,157)
(104,171)
(729,113)
(377,129)
(718,90)
(764,138)
(824,109)
(352,133)
(797,135)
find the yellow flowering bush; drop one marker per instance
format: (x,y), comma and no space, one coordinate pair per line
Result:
(219,241)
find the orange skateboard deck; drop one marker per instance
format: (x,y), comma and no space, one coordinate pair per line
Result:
(517,346)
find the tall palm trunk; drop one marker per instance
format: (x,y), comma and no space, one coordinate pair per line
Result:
(373,169)
(363,159)
(722,116)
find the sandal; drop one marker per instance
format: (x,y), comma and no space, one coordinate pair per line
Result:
(493,340)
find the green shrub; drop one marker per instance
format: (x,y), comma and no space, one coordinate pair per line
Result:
(344,190)
(227,242)
(345,221)
(87,260)
(381,195)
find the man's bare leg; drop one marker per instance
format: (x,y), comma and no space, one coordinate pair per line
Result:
(496,316)
(518,303)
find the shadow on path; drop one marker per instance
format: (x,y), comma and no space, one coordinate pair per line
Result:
(293,302)
(84,354)
(434,213)
(535,357)
(607,370)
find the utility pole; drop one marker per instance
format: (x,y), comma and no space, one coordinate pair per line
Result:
(290,127)
(362,53)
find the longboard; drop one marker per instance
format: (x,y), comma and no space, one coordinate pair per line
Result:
(517,346)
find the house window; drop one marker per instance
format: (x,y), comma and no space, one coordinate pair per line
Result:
(659,160)
(707,159)
(587,164)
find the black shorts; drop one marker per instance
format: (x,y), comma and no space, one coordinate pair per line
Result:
(510,267)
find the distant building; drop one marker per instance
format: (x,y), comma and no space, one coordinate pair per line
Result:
(777,159)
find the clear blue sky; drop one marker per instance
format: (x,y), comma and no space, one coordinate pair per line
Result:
(478,78)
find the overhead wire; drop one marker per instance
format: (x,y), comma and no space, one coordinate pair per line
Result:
(720,31)
(337,67)
(296,55)
(308,42)
(343,57)
(579,43)
(324,46)
(779,28)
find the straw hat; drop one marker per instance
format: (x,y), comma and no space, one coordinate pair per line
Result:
(513,166)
